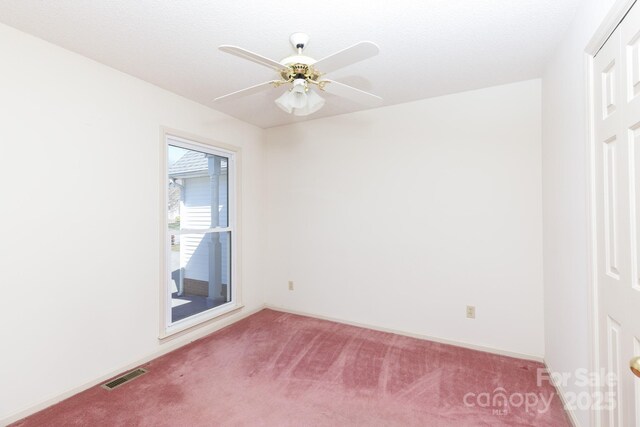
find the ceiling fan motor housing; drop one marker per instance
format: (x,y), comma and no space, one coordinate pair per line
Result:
(299,70)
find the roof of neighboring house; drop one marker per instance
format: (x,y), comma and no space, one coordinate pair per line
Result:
(191,163)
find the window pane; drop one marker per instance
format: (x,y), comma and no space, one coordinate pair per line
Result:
(200,273)
(198,189)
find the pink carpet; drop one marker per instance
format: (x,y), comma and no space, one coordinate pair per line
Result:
(277,369)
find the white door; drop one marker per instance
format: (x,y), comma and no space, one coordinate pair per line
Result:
(616,79)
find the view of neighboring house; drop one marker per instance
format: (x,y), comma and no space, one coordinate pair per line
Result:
(198,197)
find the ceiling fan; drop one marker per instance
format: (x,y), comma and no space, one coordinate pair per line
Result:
(301,73)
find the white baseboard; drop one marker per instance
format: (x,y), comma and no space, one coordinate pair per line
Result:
(413,335)
(167,348)
(561,393)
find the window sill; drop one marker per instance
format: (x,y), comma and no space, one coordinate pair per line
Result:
(198,321)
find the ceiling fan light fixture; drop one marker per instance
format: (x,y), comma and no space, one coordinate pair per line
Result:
(284,102)
(300,100)
(298,93)
(314,103)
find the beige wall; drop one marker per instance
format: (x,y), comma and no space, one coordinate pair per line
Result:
(80,221)
(400,217)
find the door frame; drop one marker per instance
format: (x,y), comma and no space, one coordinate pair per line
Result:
(614,17)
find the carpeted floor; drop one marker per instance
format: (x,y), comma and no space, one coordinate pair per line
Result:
(277,369)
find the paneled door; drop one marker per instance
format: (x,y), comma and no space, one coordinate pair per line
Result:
(616,96)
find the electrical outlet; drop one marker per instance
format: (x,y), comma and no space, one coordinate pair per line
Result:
(290,285)
(471,312)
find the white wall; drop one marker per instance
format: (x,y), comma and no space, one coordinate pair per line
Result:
(397,217)
(401,216)
(564,145)
(79,254)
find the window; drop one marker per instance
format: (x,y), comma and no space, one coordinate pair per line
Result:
(200,233)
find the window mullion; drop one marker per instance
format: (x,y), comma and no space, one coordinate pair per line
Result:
(204,230)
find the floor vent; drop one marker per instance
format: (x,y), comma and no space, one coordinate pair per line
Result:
(117,382)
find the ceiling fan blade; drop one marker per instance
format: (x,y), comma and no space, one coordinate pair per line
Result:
(251,56)
(348,56)
(245,92)
(350,92)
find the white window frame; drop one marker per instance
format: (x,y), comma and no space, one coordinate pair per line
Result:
(232,153)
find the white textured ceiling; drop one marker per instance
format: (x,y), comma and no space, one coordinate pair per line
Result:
(427,48)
